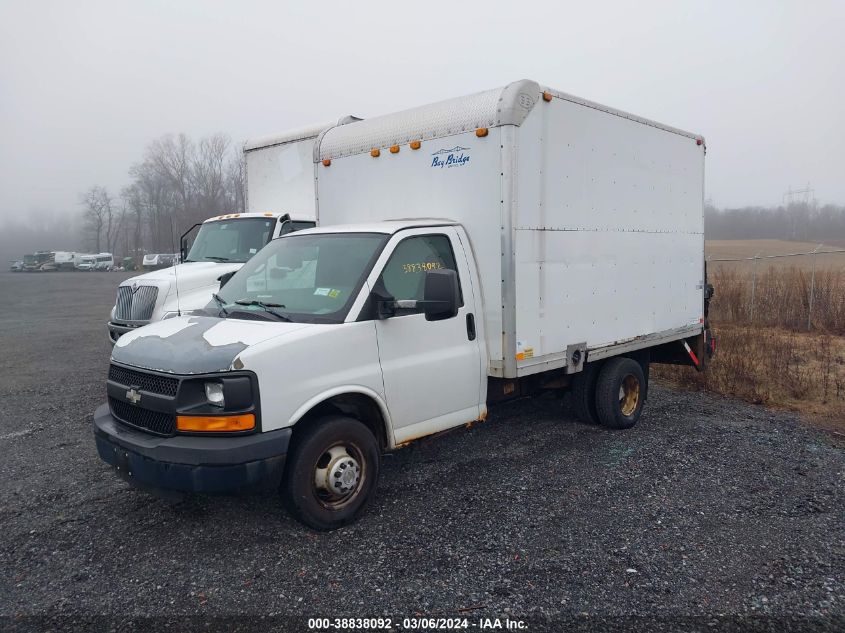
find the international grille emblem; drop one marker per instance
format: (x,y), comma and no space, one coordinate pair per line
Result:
(134,287)
(133,395)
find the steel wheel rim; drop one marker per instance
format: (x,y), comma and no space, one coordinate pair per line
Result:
(339,474)
(629,395)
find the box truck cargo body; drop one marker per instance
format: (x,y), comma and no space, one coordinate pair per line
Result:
(469,251)
(587,222)
(280,196)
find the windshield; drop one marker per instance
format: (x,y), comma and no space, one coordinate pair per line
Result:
(231,240)
(310,278)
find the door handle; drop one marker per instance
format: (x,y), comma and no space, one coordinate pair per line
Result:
(470,326)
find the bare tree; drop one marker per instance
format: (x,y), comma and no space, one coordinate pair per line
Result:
(100,220)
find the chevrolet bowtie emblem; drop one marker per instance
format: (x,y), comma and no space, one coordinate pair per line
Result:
(133,395)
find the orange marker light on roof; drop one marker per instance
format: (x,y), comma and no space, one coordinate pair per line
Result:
(268,214)
(375,152)
(547,96)
(481,132)
(415,144)
(394,149)
(326,162)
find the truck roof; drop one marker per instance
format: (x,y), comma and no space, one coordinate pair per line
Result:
(386,226)
(296,134)
(507,105)
(268,214)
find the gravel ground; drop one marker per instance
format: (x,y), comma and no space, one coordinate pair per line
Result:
(711,512)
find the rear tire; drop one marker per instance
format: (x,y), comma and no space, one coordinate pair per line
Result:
(331,473)
(620,393)
(583,393)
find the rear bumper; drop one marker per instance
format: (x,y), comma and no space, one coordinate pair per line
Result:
(189,463)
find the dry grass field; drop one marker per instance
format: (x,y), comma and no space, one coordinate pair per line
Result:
(765,353)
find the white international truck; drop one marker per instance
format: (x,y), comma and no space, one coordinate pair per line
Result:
(279,199)
(469,251)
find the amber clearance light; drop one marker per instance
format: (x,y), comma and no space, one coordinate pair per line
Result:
(215,423)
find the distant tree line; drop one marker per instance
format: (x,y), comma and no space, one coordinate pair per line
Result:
(177,183)
(796,221)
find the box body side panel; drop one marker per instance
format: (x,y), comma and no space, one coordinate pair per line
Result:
(456,178)
(608,233)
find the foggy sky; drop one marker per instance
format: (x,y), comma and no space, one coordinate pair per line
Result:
(84,86)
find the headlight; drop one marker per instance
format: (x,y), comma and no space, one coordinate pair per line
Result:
(214,394)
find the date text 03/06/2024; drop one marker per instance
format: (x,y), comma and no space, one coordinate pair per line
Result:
(422,623)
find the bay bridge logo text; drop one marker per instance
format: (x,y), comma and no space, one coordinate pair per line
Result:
(449,158)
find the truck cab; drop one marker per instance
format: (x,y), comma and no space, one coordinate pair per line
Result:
(222,245)
(371,320)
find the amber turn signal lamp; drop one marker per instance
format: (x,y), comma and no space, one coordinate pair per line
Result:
(375,153)
(327,162)
(394,149)
(415,144)
(481,132)
(215,423)
(547,96)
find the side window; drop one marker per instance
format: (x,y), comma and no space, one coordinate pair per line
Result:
(404,275)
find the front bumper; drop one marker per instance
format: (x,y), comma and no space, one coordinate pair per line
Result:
(116,330)
(190,463)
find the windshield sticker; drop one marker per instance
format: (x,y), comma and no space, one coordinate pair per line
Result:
(322,292)
(334,293)
(253,251)
(419,267)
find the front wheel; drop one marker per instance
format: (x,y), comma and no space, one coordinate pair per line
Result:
(331,473)
(620,393)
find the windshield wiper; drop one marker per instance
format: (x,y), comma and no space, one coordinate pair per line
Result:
(221,303)
(217,258)
(268,307)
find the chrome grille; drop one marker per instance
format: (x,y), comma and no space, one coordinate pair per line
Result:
(137,305)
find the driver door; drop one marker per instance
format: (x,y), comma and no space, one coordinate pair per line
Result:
(432,369)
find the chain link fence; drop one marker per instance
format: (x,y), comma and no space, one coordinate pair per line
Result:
(800,291)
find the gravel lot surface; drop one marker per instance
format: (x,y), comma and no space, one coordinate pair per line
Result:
(709,507)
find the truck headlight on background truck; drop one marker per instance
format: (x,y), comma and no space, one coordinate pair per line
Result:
(214,394)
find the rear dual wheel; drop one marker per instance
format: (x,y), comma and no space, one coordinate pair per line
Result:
(611,393)
(620,393)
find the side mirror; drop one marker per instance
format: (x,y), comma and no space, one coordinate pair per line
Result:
(183,242)
(225,277)
(441,296)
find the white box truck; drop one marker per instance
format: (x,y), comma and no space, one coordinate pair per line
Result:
(470,251)
(280,199)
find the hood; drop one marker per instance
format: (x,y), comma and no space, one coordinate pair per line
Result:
(195,344)
(190,275)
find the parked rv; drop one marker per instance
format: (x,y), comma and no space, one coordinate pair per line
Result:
(33,262)
(280,199)
(566,251)
(66,260)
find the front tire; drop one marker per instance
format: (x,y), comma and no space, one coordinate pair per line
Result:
(331,473)
(620,393)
